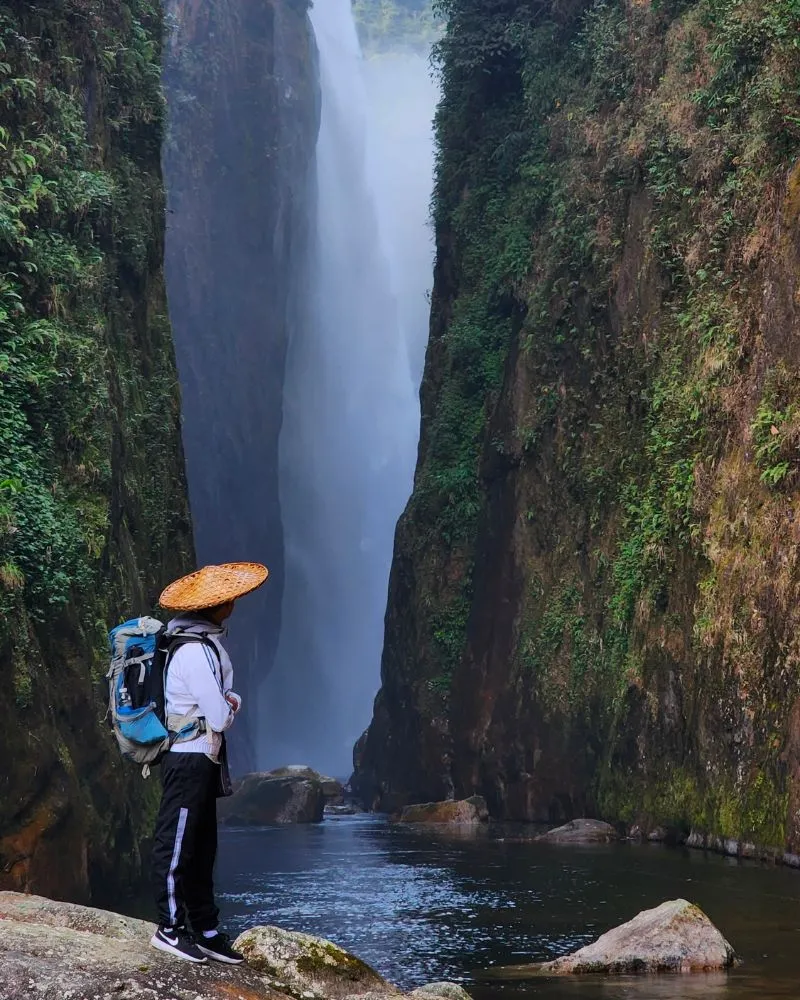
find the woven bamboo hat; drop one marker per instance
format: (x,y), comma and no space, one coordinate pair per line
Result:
(213,585)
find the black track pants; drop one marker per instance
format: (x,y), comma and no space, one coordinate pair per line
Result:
(185,842)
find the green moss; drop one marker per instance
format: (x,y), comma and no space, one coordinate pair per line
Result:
(325,958)
(93,512)
(609,183)
(677,798)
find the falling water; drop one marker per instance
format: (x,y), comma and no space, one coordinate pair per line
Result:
(351,413)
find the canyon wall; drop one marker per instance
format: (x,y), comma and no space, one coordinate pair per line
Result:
(594,598)
(243,96)
(93,512)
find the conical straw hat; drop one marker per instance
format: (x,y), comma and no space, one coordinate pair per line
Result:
(213,585)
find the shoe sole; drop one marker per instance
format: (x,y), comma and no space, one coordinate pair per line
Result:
(215,957)
(176,952)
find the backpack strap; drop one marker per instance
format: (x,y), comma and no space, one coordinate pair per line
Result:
(182,728)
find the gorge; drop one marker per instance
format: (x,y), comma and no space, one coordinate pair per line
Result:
(593,592)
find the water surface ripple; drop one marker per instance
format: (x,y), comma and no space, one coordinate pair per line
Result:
(421,907)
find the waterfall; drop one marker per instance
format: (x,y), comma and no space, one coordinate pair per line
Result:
(351,413)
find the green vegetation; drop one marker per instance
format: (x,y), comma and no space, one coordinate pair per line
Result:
(385,25)
(75,216)
(93,513)
(611,192)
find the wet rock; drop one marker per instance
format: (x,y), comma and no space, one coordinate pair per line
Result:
(332,788)
(262,799)
(580,831)
(343,809)
(655,835)
(450,991)
(470,811)
(674,937)
(52,951)
(696,839)
(310,967)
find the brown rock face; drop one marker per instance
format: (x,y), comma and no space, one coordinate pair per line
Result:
(265,800)
(674,937)
(594,603)
(465,812)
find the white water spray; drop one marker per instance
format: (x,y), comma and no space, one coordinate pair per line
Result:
(351,413)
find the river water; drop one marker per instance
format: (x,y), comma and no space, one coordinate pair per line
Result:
(422,907)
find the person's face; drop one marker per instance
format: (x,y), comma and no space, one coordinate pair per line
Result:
(219,614)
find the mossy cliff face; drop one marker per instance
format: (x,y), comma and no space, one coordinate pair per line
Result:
(595,596)
(93,514)
(242,89)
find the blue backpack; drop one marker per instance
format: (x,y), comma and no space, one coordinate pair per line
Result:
(140,653)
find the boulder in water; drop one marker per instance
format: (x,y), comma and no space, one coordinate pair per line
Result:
(580,831)
(262,799)
(310,967)
(674,937)
(332,788)
(461,812)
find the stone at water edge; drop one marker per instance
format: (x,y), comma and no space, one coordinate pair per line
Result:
(449,991)
(261,799)
(306,965)
(580,831)
(470,811)
(332,788)
(673,937)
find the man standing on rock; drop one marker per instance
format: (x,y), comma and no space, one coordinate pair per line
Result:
(201,706)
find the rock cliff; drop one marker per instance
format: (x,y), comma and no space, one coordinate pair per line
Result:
(594,599)
(93,510)
(93,513)
(242,90)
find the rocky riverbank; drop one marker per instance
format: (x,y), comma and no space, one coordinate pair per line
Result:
(55,951)
(59,950)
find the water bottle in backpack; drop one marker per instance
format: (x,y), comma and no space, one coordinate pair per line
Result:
(136,689)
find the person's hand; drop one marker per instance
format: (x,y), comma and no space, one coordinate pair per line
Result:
(233,700)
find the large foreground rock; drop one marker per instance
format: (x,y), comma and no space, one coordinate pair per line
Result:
(265,799)
(580,831)
(674,937)
(308,966)
(470,811)
(55,951)
(52,951)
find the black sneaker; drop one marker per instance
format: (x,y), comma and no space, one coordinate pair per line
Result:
(179,943)
(219,948)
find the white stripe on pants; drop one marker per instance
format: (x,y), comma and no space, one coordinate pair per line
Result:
(176,856)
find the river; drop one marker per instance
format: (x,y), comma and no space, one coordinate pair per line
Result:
(421,908)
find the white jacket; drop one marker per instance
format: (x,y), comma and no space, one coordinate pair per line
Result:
(197,682)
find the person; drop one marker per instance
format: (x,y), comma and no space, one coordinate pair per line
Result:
(200,705)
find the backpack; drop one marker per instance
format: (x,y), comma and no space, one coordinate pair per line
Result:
(140,653)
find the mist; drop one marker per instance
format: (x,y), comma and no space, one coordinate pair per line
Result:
(351,410)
